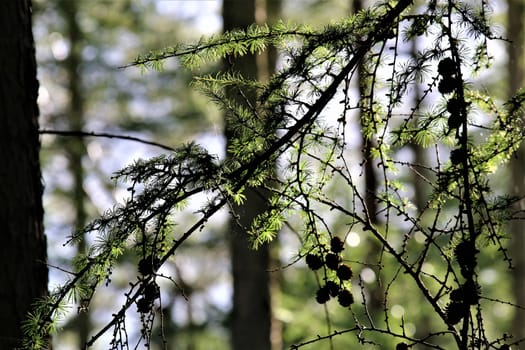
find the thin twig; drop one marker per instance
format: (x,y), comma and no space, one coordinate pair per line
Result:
(81,133)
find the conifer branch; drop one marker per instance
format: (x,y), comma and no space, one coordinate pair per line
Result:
(285,121)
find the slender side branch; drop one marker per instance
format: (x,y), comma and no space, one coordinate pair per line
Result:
(81,133)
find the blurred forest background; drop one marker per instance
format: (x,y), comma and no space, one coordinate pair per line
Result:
(80,46)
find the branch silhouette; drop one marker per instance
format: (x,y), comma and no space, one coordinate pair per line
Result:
(81,133)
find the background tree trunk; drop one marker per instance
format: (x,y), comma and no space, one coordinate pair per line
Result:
(516,13)
(75,148)
(251,317)
(376,300)
(269,12)
(23,248)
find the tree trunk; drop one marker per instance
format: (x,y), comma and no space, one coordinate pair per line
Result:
(75,147)
(269,11)
(377,294)
(251,318)
(371,180)
(420,188)
(23,248)
(516,11)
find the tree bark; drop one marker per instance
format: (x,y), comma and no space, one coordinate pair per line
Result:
(251,317)
(23,245)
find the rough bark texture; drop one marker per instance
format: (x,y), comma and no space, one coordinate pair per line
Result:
(23,246)
(516,11)
(251,318)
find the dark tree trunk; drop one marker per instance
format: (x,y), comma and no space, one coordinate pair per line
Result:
(251,318)
(23,246)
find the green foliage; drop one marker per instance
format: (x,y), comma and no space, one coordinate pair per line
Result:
(300,121)
(235,43)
